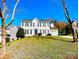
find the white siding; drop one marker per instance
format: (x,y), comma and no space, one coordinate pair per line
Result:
(39,26)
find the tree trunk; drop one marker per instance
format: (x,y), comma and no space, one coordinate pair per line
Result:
(66,13)
(74,39)
(3,37)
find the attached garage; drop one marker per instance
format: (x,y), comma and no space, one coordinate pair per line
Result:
(54,32)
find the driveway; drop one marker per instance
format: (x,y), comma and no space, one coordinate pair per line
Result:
(67,36)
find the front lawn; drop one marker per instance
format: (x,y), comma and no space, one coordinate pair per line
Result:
(38,47)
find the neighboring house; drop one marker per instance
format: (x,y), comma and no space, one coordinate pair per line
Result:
(75,27)
(7,33)
(13,31)
(10,33)
(35,26)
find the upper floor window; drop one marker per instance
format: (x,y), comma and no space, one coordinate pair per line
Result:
(22,23)
(30,23)
(33,24)
(40,24)
(48,24)
(26,23)
(43,24)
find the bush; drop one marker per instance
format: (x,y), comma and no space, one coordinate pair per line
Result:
(48,34)
(39,34)
(20,33)
(62,32)
(67,29)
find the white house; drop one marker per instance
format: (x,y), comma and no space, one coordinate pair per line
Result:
(35,26)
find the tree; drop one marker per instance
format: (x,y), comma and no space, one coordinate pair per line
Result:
(61,27)
(68,30)
(20,33)
(53,21)
(66,13)
(4,16)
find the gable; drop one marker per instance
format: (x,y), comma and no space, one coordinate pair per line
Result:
(35,20)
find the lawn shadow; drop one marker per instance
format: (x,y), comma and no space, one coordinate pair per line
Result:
(60,39)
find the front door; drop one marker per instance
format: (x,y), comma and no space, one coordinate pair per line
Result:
(36,31)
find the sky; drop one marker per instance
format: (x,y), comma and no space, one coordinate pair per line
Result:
(41,9)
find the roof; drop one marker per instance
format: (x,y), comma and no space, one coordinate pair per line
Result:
(74,21)
(27,20)
(30,20)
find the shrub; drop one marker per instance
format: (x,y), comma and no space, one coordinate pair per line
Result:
(39,34)
(48,34)
(67,29)
(20,33)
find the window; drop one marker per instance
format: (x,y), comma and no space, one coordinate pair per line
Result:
(48,24)
(26,23)
(45,31)
(43,24)
(40,24)
(33,24)
(48,31)
(40,30)
(22,23)
(30,23)
(27,31)
(30,31)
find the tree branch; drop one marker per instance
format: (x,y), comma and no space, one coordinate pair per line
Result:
(1,13)
(12,18)
(66,11)
(5,7)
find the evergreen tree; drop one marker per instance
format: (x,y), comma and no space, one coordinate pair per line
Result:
(20,33)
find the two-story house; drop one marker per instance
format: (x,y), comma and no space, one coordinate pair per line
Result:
(35,26)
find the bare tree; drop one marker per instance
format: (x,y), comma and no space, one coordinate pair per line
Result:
(66,13)
(5,15)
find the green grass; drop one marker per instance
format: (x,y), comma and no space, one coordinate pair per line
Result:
(38,47)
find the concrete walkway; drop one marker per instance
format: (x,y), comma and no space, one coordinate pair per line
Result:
(67,36)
